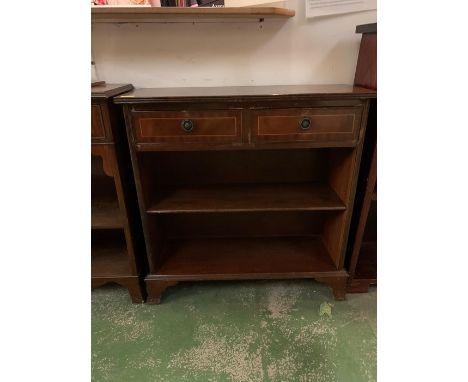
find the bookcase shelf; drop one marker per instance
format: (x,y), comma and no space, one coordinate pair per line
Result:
(245,198)
(164,14)
(246,258)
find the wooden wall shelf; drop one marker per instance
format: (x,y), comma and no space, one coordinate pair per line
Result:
(173,14)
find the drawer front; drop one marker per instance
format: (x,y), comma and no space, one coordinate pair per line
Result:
(169,127)
(307,125)
(98,131)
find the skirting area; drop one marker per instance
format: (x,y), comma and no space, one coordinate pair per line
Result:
(235,331)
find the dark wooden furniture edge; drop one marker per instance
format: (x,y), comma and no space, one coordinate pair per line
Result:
(360,285)
(248,276)
(356,284)
(97,83)
(357,159)
(109,90)
(157,284)
(367,28)
(133,284)
(120,170)
(244,94)
(367,59)
(367,62)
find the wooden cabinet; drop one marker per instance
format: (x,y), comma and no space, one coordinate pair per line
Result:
(117,253)
(362,246)
(246,182)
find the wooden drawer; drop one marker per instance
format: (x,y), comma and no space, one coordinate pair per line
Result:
(306,125)
(98,131)
(188,127)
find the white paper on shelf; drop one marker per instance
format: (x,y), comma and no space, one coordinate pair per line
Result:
(317,8)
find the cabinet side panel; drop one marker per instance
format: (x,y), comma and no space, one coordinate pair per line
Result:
(366,68)
(152,244)
(343,174)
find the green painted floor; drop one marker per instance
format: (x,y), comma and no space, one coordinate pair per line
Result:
(235,331)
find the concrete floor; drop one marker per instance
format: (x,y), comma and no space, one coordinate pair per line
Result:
(235,331)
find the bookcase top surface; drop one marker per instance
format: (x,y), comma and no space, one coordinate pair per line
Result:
(273,91)
(109,90)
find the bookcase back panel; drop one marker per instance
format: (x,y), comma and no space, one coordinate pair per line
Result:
(233,167)
(243,224)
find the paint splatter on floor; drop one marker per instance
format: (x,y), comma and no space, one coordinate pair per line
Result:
(235,331)
(325,309)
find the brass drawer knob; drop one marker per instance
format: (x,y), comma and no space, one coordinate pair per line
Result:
(305,123)
(187,125)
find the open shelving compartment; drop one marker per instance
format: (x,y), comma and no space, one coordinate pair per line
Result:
(245,214)
(366,267)
(112,251)
(109,254)
(116,243)
(105,210)
(108,245)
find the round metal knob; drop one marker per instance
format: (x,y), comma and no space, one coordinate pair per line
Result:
(187,125)
(305,123)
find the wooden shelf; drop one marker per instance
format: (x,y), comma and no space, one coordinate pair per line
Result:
(246,258)
(248,197)
(105,213)
(149,14)
(109,259)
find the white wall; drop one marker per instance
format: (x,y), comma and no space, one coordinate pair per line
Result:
(296,51)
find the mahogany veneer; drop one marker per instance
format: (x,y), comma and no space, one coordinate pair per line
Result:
(116,250)
(246,182)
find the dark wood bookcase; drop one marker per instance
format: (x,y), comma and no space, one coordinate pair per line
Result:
(117,252)
(362,245)
(246,182)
